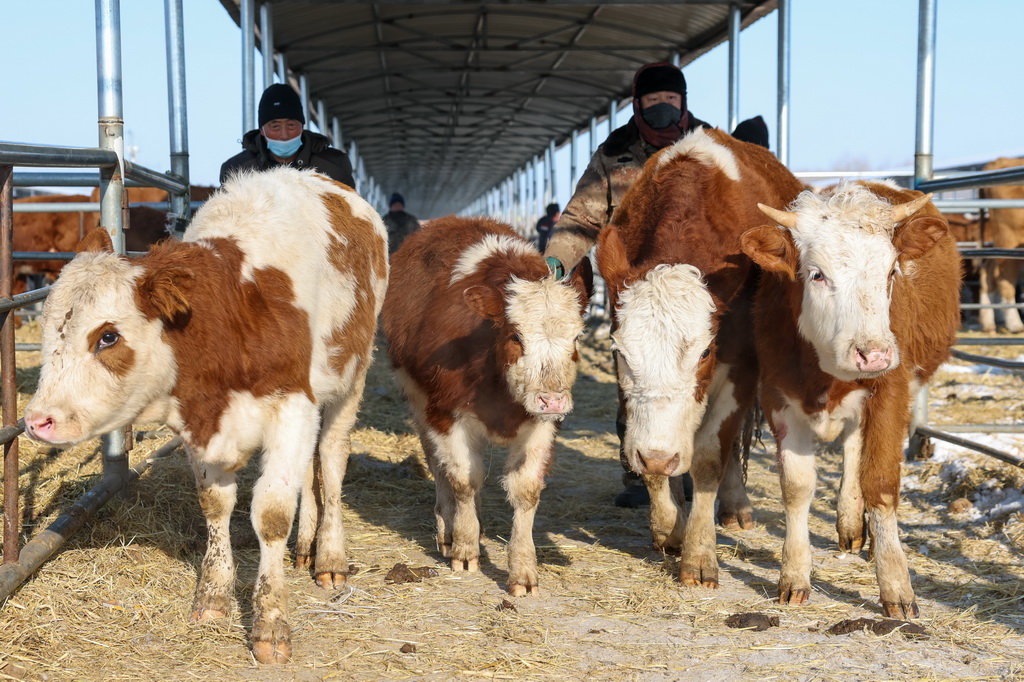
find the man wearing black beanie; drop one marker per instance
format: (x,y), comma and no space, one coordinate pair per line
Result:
(281,140)
(660,118)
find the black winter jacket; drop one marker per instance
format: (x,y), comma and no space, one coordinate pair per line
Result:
(316,152)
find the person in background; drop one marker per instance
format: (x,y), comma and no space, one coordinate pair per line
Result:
(545,224)
(400,224)
(281,140)
(661,117)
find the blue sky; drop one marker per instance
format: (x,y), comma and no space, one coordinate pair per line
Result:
(853,88)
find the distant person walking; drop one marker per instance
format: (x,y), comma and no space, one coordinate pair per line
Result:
(546,224)
(281,141)
(400,224)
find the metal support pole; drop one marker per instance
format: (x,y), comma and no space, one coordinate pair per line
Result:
(592,143)
(923,149)
(613,107)
(573,147)
(177,110)
(304,96)
(918,417)
(267,43)
(336,139)
(12,515)
(321,117)
(248,26)
(782,143)
(734,66)
(111,134)
(553,170)
(282,68)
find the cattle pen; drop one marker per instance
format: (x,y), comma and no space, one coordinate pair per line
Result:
(609,602)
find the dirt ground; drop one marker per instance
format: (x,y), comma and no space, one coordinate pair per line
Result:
(113,603)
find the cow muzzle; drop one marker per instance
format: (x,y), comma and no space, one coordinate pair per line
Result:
(554,403)
(657,462)
(45,428)
(873,359)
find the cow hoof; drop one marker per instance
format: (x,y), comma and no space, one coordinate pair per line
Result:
(329,580)
(794,597)
(523,590)
(303,561)
(272,652)
(901,611)
(445,548)
(468,565)
(742,521)
(851,544)
(207,614)
(696,578)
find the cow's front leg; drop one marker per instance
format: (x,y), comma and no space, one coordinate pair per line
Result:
(287,453)
(459,473)
(524,479)
(698,564)
(667,516)
(217,495)
(797,476)
(850,507)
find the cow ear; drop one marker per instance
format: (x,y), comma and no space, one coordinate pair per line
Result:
(918,235)
(96,240)
(486,302)
(772,248)
(164,293)
(582,278)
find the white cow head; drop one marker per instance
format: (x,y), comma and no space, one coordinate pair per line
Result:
(845,252)
(539,323)
(665,329)
(103,361)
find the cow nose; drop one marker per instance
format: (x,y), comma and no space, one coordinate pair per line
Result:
(874,359)
(657,462)
(552,403)
(40,426)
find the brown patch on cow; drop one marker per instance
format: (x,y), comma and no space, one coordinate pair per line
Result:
(352,240)
(119,357)
(242,336)
(274,525)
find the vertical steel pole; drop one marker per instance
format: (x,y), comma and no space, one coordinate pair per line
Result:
(111,136)
(553,169)
(573,148)
(613,107)
(321,117)
(336,139)
(248,26)
(782,143)
(12,515)
(178,109)
(267,43)
(923,149)
(592,142)
(734,66)
(304,96)
(282,68)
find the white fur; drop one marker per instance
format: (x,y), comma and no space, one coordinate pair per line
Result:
(700,146)
(490,245)
(664,325)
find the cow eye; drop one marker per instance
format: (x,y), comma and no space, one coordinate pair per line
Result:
(107,340)
(516,339)
(706,354)
(816,276)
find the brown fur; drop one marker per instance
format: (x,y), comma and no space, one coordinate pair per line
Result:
(1005,229)
(118,358)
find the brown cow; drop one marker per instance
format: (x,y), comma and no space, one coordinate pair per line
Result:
(1005,229)
(253,335)
(857,307)
(483,341)
(682,290)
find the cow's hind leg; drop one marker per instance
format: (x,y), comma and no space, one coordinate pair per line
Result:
(524,479)
(333,450)
(734,508)
(287,452)
(1007,281)
(459,475)
(667,515)
(217,495)
(986,278)
(850,508)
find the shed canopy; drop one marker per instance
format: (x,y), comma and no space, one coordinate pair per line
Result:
(446,99)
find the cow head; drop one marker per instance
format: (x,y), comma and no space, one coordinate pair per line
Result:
(845,249)
(664,343)
(539,323)
(103,359)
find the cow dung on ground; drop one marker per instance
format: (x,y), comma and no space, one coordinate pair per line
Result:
(113,603)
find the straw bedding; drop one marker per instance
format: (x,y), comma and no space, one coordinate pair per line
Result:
(114,602)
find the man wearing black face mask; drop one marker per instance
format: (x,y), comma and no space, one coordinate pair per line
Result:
(660,118)
(281,140)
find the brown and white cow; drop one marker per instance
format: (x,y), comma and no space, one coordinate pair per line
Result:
(857,308)
(483,341)
(682,291)
(1005,229)
(253,334)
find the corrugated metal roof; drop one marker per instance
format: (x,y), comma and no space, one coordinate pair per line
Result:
(444,100)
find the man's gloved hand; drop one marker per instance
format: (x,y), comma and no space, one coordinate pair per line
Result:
(555,266)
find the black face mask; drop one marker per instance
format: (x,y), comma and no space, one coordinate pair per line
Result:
(661,115)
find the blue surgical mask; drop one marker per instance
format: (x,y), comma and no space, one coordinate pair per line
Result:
(284,149)
(661,115)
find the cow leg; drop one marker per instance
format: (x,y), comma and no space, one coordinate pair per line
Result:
(850,509)
(459,475)
(667,516)
(1007,281)
(880,481)
(734,508)
(333,449)
(797,475)
(217,496)
(986,275)
(524,479)
(699,565)
(310,510)
(290,439)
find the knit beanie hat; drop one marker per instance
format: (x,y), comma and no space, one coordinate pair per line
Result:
(658,77)
(396,198)
(280,101)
